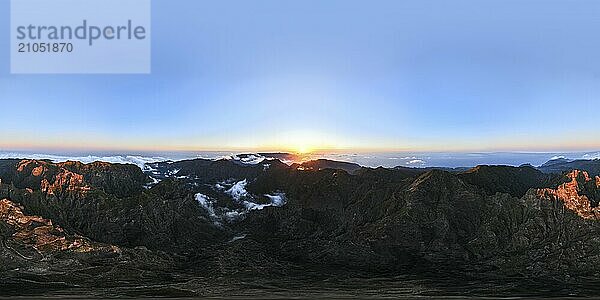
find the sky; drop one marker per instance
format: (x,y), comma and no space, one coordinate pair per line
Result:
(340,74)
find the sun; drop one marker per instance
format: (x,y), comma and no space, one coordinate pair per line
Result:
(304,149)
(302,142)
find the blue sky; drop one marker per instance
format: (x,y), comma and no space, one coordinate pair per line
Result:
(301,75)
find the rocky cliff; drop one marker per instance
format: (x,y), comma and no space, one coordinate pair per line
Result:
(581,194)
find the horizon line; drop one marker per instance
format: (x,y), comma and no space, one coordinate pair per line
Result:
(292,151)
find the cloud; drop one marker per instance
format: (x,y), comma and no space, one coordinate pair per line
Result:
(415,162)
(207,204)
(558,157)
(278,199)
(240,195)
(238,190)
(251,159)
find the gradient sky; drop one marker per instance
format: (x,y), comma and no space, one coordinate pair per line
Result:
(339,74)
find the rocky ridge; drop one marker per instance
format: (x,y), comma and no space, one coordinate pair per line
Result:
(581,194)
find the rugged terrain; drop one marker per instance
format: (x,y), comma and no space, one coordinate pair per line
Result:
(232,226)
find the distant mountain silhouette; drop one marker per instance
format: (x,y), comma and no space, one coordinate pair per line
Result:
(563,165)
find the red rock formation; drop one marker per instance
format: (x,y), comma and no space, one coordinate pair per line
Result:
(40,234)
(65,180)
(572,194)
(52,178)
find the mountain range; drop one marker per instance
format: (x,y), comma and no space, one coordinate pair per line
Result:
(247,227)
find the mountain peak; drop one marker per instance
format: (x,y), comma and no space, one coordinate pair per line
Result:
(320,164)
(507,179)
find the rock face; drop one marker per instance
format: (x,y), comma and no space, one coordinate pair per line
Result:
(37,256)
(74,177)
(581,194)
(40,234)
(244,217)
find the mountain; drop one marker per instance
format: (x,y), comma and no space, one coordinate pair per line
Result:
(320,164)
(38,255)
(564,165)
(108,203)
(556,161)
(238,220)
(580,194)
(515,181)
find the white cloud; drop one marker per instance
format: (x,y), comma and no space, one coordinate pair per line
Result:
(207,204)
(278,199)
(592,156)
(238,190)
(415,162)
(251,159)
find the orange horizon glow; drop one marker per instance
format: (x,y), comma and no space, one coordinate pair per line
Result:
(296,149)
(302,142)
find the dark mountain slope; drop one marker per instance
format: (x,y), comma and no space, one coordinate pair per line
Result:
(321,164)
(37,256)
(562,165)
(515,181)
